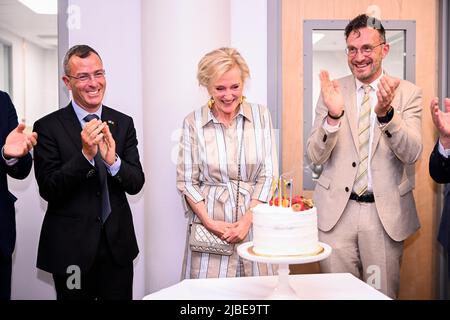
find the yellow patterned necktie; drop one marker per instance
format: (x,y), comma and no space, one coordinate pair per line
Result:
(361,181)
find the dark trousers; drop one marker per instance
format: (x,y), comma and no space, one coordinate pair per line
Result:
(5,277)
(106,280)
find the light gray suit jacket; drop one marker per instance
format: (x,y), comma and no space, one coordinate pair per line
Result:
(395,149)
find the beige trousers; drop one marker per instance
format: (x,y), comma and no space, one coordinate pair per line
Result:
(362,247)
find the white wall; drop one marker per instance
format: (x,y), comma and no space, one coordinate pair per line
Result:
(175,36)
(2,66)
(34,80)
(41,79)
(248,27)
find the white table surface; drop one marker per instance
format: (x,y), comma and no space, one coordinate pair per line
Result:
(323,286)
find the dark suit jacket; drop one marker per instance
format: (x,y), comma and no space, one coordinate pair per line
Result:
(440,172)
(70,184)
(8,122)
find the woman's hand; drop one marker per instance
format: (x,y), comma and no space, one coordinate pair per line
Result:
(239,230)
(215,226)
(219,228)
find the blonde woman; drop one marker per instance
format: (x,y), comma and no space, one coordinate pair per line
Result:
(227,155)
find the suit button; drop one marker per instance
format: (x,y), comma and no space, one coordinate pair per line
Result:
(354,164)
(346,189)
(98,194)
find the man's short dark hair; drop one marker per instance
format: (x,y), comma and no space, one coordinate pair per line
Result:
(364,21)
(81,51)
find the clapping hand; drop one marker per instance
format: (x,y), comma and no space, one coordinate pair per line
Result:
(97,136)
(18,143)
(385,94)
(91,135)
(441,120)
(331,95)
(108,146)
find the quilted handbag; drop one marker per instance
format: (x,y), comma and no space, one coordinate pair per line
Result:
(202,240)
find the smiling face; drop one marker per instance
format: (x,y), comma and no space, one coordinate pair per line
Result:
(366,68)
(87,94)
(227,92)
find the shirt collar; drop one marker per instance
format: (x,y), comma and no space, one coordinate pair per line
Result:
(81,113)
(373,84)
(244,111)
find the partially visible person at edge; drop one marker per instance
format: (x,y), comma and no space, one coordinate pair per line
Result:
(16,162)
(367,135)
(440,166)
(207,170)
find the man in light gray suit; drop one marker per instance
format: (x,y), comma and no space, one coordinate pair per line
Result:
(367,136)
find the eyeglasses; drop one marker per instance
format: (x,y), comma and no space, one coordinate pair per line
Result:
(365,50)
(84,77)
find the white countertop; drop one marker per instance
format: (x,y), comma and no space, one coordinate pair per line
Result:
(323,286)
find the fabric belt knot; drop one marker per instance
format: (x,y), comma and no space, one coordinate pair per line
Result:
(227,189)
(103,177)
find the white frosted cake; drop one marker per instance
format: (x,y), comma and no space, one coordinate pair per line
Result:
(280,231)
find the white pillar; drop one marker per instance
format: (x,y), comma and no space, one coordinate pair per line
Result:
(249,36)
(175,35)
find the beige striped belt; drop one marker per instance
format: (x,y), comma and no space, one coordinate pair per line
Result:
(230,187)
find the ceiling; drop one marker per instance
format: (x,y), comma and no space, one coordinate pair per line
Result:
(40,29)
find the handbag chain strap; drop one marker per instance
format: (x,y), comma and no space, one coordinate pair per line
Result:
(239,170)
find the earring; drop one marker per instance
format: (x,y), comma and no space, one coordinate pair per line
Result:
(242,99)
(211,102)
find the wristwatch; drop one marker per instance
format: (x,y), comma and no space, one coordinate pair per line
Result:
(388,117)
(336,117)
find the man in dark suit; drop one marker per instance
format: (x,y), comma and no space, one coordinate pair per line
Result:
(440,165)
(16,162)
(84,167)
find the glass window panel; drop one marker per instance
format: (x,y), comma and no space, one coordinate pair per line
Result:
(5,67)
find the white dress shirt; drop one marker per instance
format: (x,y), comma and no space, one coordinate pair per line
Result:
(373,119)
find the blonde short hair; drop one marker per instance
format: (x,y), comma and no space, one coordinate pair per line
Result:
(217,62)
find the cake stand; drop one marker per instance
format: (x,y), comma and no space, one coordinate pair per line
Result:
(283,291)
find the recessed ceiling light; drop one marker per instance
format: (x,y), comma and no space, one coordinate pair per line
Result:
(42,6)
